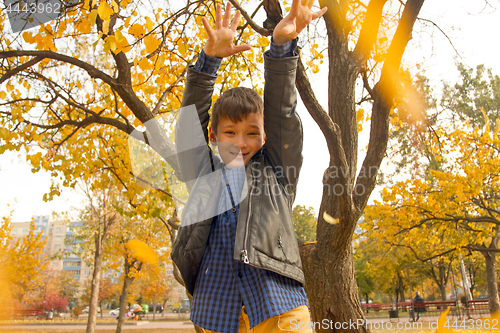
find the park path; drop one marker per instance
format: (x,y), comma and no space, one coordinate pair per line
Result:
(143,325)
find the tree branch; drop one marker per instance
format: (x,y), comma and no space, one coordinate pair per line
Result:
(479,249)
(383,95)
(329,129)
(21,68)
(91,70)
(441,30)
(169,89)
(368,34)
(255,26)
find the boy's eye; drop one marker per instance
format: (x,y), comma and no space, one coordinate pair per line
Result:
(228,132)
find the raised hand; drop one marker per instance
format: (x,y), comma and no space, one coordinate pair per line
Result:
(220,41)
(298,18)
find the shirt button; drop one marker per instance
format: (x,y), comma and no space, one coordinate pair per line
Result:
(233,210)
(240,275)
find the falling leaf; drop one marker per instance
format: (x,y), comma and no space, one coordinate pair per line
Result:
(329,219)
(142,252)
(442,321)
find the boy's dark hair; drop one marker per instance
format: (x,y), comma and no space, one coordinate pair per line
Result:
(236,104)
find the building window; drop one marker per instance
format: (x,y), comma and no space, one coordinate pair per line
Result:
(14,231)
(25,231)
(55,264)
(58,238)
(60,229)
(57,247)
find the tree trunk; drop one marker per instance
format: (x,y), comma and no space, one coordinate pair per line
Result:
(94,294)
(442,289)
(337,310)
(123,301)
(328,264)
(401,287)
(441,279)
(154,308)
(491,281)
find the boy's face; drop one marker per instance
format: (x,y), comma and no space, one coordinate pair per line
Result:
(238,142)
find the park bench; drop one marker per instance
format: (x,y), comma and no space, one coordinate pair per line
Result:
(477,307)
(376,307)
(22,314)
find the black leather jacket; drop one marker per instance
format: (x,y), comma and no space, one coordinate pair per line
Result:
(265,236)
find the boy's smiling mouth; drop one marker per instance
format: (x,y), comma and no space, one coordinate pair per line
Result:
(239,155)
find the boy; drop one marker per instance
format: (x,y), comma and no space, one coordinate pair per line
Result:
(242,266)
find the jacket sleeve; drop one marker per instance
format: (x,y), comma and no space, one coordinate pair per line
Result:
(191,133)
(281,122)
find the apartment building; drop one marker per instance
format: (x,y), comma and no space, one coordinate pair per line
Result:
(60,249)
(57,247)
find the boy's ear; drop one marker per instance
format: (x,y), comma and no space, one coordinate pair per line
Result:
(211,136)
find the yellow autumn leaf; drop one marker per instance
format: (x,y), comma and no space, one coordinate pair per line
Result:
(127,21)
(442,321)
(183,48)
(144,64)
(149,24)
(3,94)
(142,252)
(105,27)
(329,219)
(118,36)
(115,6)
(151,43)
(93,16)
(104,10)
(136,30)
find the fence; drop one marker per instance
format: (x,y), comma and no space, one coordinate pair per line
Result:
(472,309)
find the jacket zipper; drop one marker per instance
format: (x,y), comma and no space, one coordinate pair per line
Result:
(244,253)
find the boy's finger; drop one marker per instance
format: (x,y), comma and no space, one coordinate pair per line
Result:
(227,15)
(319,13)
(207,26)
(241,48)
(310,3)
(236,20)
(218,17)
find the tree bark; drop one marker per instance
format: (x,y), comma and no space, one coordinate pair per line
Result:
(127,281)
(328,264)
(332,290)
(492,281)
(154,308)
(94,294)
(401,287)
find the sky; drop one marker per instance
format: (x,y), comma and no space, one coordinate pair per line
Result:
(471,25)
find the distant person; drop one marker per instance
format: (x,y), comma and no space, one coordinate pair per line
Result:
(417,305)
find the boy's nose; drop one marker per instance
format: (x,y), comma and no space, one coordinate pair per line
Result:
(242,142)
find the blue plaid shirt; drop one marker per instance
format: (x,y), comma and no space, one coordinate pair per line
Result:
(224,285)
